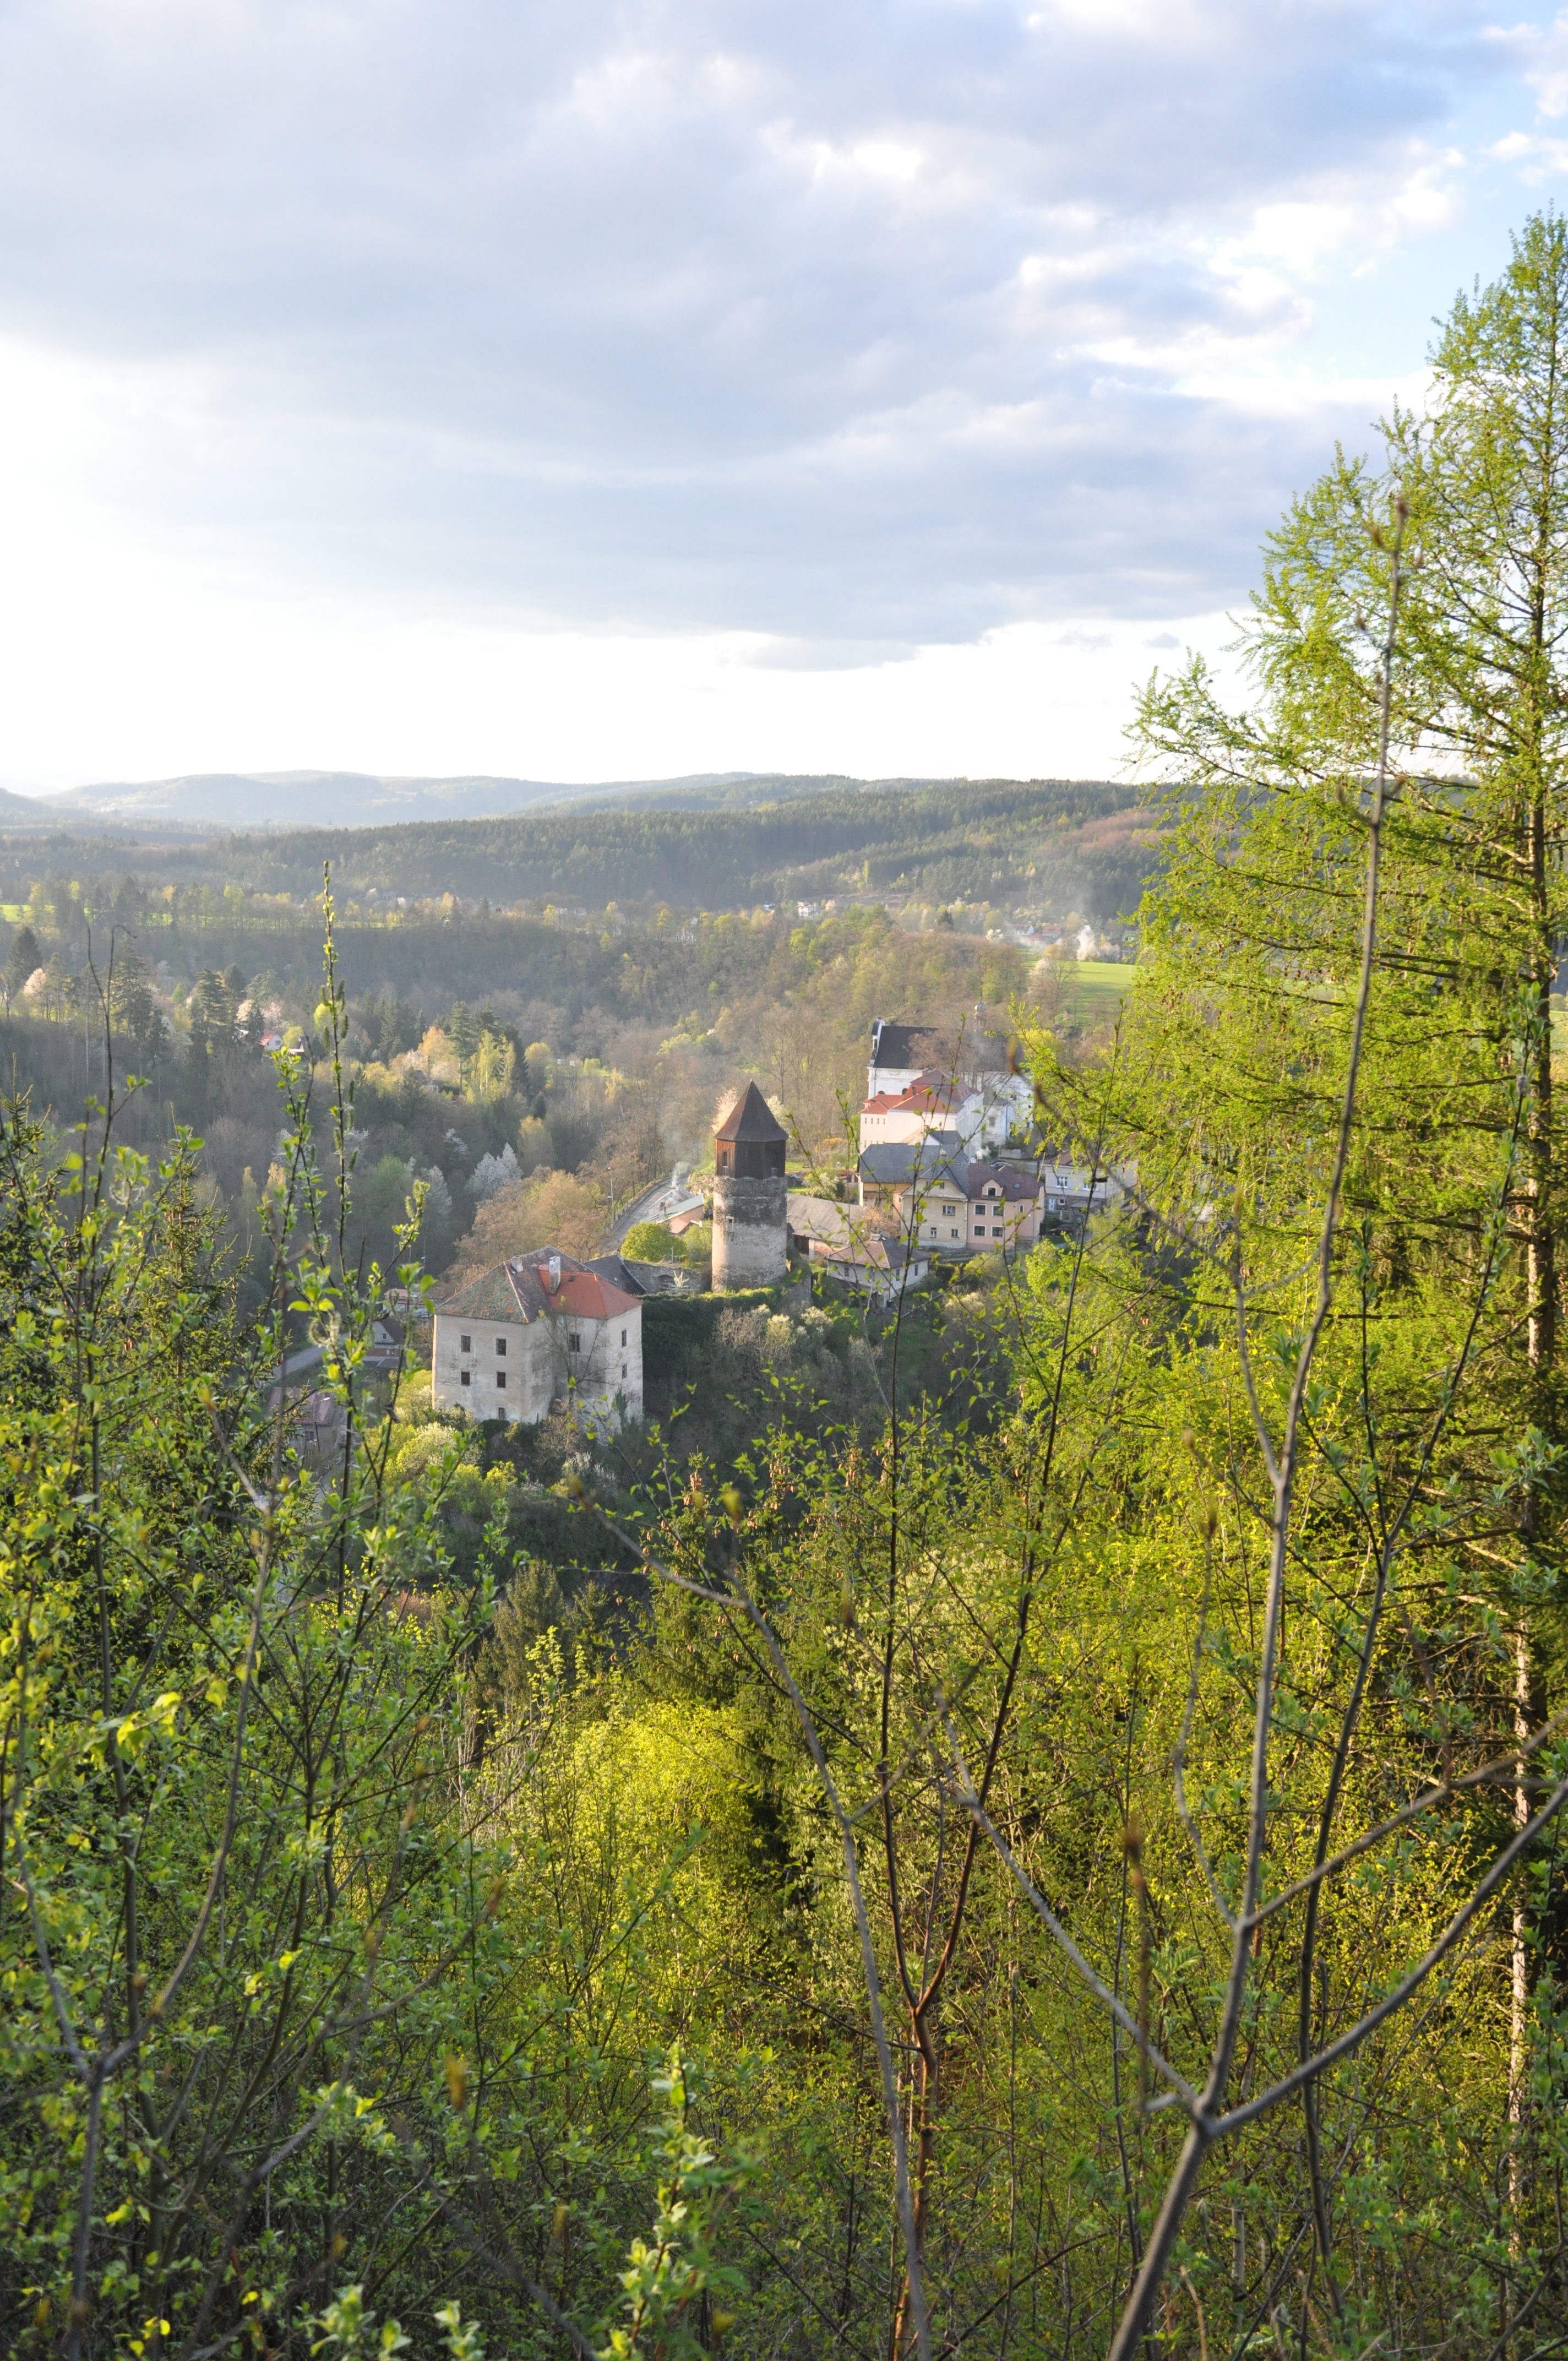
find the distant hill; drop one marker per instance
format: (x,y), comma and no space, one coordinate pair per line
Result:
(290,799)
(1042,842)
(30,812)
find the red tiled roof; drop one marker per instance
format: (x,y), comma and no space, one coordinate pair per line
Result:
(926,1092)
(521,1289)
(588,1297)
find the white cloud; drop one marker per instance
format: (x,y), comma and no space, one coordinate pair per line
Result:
(808,337)
(1545,51)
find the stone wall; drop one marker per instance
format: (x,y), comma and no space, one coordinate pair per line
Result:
(529,1363)
(751,1230)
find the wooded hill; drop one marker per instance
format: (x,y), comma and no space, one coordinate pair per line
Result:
(987,840)
(1065,1865)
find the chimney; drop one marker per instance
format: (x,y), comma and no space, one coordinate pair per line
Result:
(554,1281)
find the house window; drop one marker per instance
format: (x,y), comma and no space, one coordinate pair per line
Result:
(623,1343)
(623,1370)
(466,1377)
(576,1344)
(465,1344)
(500,1348)
(501,1379)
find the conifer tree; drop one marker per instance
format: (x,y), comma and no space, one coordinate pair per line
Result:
(1233,1059)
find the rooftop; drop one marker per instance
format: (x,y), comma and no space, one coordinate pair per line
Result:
(927,1093)
(938,1160)
(897,1046)
(1005,1179)
(751,1118)
(525,1287)
(901,1046)
(867,1250)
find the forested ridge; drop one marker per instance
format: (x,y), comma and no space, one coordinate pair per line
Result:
(1066,1862)
(960,841)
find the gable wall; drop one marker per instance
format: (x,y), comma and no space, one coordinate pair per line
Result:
(529,1363)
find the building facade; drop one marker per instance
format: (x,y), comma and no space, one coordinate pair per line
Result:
(1005,1205)
(879,1267)
(929,1105)
(540,1332)
(949,1203)
(751,1196)
(916,1082)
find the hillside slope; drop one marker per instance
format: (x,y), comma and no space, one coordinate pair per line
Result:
(1045,842)
(293,799)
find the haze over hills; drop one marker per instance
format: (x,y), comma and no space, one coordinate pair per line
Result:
(248,800)
(724,840)
(1084,844)
(30,812)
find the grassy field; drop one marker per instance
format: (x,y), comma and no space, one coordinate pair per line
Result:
(1095,988)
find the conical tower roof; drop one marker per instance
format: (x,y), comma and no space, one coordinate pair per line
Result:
(751,1118)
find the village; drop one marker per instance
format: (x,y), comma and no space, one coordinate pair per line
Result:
(949,1166)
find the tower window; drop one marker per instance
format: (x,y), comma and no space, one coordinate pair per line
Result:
(576,1344)
(501,1379)
(623,1340)
(465,1344)
(500,1348)
(466,1377)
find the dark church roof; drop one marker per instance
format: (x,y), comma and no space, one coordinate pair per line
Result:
(907,1047)
(750,1117)
(901,1046)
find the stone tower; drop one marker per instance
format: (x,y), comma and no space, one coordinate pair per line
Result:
(750,1198)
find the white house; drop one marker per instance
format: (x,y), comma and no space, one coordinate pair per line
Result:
(537,1331)
(914,1086)
(928,1104)
(983,1112)
(1073,1190)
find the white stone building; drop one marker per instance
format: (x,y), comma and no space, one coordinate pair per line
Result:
(914,1086)
(536,1332)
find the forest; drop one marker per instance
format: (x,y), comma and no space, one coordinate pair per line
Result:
(588,1061)
(1028,1826)
(1048,845)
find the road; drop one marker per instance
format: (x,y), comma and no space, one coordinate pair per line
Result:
(641,1209)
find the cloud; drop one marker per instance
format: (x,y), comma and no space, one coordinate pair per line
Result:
(829,656)
(856,329)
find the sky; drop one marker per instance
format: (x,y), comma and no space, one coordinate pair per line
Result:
(622,388)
